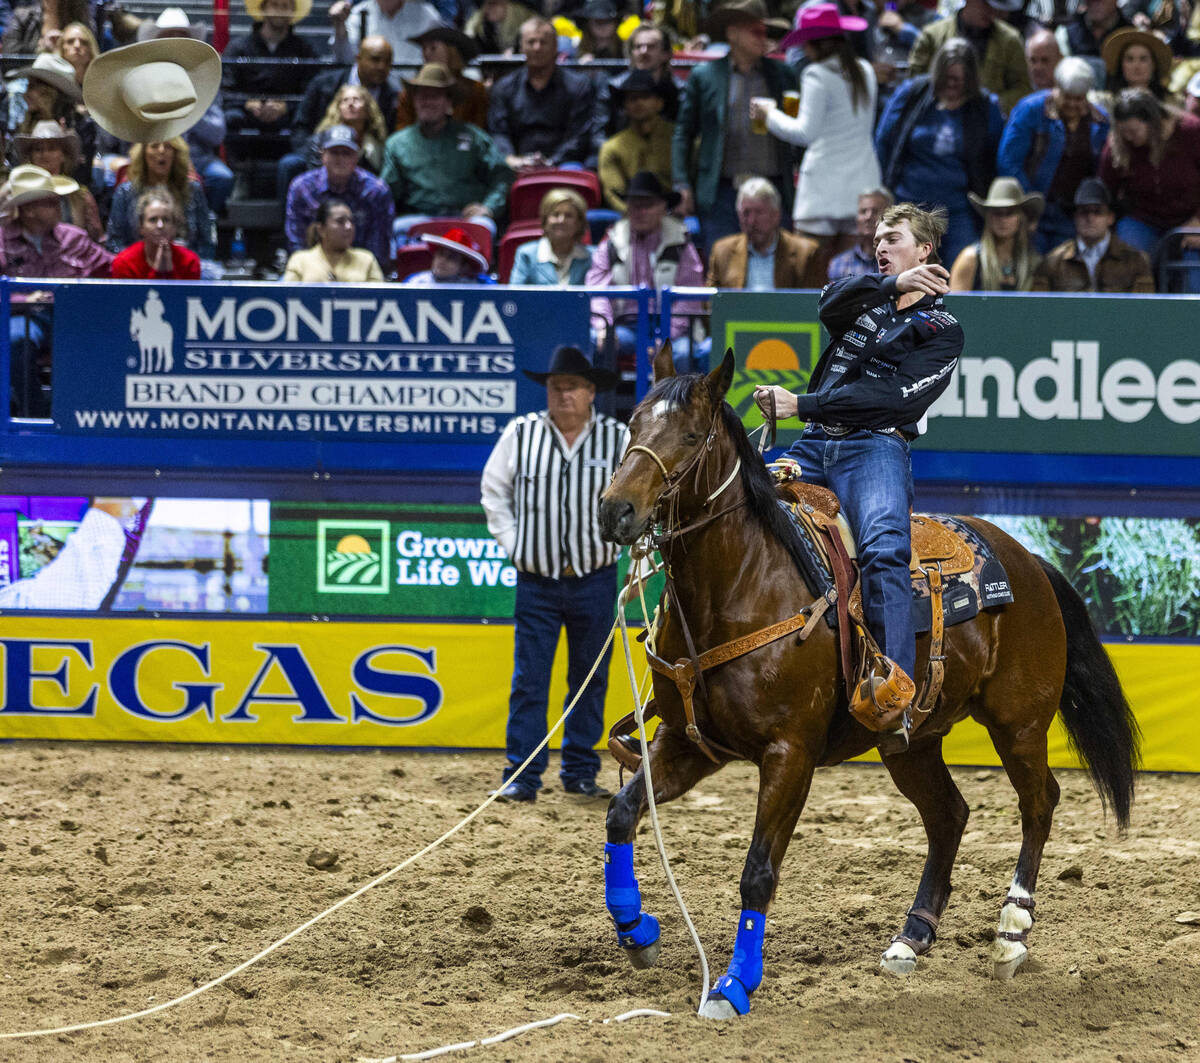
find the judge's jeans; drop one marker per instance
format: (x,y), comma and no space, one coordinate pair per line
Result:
(871,474)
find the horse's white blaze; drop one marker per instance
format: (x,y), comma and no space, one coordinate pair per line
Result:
(662,407)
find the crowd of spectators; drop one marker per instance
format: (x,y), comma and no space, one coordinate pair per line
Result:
(1063,142)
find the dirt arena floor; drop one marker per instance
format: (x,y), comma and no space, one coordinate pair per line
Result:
(131,874)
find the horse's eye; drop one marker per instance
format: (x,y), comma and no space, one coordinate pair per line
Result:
(690,438)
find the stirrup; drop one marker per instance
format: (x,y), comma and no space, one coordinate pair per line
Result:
(881,701)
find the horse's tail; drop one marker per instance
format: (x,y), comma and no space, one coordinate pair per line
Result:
(1100,724)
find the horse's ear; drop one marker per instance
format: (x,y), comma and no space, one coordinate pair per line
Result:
(721,377)
(664,363)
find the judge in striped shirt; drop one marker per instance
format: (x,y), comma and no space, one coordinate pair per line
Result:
(541,487)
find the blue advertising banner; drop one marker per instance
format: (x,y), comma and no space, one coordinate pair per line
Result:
(328,362)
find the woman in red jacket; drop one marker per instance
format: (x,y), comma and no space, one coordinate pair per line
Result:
(155,256)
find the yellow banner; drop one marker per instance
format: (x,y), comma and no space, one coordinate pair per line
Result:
(386,684)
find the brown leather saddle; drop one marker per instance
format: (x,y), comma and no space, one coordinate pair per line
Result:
(937,552)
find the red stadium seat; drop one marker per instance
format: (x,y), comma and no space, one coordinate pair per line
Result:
(518,233)
(525,196)
(412,258)
(479,232)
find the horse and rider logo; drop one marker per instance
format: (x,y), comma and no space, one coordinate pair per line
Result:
(154,335)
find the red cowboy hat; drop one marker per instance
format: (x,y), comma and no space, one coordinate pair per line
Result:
(461,242)
(821,20)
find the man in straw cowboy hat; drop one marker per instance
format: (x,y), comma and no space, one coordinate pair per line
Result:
(340,175)
(714,146)
(541,487)
(38,243)
(441,167)
(260,88)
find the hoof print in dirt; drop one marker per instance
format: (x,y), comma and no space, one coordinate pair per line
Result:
(478,918)
(322,860)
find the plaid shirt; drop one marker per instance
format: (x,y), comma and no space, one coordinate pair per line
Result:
(368,198)
(66,251)
(851,263)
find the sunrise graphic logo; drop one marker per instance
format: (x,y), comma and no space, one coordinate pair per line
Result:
(352,556)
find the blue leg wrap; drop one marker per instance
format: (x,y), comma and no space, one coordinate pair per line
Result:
(644,932)
(746,968)
(621,894)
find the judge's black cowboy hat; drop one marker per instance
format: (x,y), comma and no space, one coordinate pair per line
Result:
(571,361)
(644,183)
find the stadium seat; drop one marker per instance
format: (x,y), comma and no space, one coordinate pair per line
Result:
(480,233)
(412,258)
(518,233)
(525,196)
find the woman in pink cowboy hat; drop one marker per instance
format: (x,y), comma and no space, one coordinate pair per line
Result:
(837,115)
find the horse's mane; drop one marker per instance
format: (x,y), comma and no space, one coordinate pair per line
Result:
(761,499)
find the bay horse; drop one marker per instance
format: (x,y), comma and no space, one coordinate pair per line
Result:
(733,556)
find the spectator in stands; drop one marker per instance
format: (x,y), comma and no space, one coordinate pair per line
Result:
(763,257)
(938,138)
(598,21)
(496,26)
(168,163)
(452,49)
(649,246)
(24,33)
(998,47)
(860,259)
(372,69)
(51,94)
(205,138)
(714,143)
(331,255)
(457,259)
(1042,53)
(440,167)
(341,176)
(38,243)
(836,120)
(541,115)
(1052,141)
(355,107)
(1151,165)
(1095,259)
(156,256)
(56,150)
(264,86)
(396,21)
(559,256)
(78,47)
(645,143)
(649,50)
(1003,259)
(1135,59)
(1094,21)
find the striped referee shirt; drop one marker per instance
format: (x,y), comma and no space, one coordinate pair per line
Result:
(541,496)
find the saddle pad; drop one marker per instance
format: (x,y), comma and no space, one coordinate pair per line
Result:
(983,587)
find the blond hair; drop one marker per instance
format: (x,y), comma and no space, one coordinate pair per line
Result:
(928,226)
(178,181)
(556,197)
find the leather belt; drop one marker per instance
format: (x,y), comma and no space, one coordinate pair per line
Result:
(837,430)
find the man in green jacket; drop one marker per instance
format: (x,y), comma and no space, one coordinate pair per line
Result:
(1002,65)
(438,167)
(714,146)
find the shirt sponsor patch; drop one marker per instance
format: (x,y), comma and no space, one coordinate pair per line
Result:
(857,339)
(867,322)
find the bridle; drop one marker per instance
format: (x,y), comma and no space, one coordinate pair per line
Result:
(673,484)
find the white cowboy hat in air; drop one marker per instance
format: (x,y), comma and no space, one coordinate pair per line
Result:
(154,90)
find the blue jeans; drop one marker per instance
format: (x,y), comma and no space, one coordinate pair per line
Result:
(218,184)
(871,474)
(584,606)
(688,357)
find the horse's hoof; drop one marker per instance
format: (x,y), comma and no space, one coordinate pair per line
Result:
(646,956)
(716,1007)
(1007,958)
(899,960)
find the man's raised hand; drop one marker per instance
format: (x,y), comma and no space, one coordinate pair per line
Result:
(927,279)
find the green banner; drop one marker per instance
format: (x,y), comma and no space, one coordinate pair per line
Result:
(1039,373)
(394,559)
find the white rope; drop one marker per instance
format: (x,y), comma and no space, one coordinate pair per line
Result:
(737,467)
(639,718)
(378,880)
